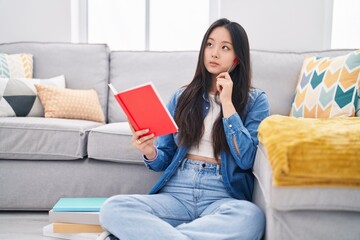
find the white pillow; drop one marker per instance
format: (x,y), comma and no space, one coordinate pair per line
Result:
(18,96)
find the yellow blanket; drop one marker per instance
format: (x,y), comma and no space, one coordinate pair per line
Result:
(312,152)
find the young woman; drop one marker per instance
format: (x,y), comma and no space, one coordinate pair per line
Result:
(207,185)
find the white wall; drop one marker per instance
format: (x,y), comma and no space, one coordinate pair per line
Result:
(283,24)
(271,24)
(35,20)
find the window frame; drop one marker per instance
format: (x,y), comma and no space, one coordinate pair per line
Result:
(80,21)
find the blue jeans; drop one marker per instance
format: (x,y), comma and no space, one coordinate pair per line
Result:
(194,204)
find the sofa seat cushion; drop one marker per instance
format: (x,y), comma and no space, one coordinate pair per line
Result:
(301,198)
(117,147)
(43,138)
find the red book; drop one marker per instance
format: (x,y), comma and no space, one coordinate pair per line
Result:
(145,109)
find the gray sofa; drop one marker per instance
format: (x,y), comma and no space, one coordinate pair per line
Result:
(42,159)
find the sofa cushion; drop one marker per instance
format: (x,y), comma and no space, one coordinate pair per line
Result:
(167,70)
(18,96)
(328,87)
(16,65)
(84,66)
(70,103)
(43,138)
(300,198)
(277,73)
(118,147)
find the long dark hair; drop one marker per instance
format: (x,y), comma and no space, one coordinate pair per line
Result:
(189,109)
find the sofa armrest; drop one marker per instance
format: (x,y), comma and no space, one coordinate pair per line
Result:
(263,178)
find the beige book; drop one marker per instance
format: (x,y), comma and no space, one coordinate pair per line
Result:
(76,228)
(48,232)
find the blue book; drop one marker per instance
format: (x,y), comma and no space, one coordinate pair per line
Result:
(79,204)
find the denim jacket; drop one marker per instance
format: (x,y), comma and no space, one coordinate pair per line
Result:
(236,169)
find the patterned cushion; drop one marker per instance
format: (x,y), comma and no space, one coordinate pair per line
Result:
(328,87)
(18,96)
(16,65)
(70,103)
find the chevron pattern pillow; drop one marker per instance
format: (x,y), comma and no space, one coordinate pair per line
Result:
(18,96)
(16,65)
(328,87)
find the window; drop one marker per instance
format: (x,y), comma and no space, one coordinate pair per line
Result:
(174,25)
(120,24)
(346,22)
(156,25)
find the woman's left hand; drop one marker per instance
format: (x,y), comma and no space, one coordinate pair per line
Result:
(224,85)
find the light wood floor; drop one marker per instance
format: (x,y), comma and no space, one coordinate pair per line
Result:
(23,225)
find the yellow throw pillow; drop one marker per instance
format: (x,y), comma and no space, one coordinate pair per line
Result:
(70,103)
(328,87)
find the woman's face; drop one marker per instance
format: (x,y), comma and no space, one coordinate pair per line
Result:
(219,53)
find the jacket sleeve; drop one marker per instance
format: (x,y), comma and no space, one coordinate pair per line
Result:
(245,131)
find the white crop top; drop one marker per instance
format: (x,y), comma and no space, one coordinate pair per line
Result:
(205,147)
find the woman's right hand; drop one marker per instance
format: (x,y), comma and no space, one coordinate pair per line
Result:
(143,142)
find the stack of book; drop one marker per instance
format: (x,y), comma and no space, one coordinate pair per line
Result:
(75,218)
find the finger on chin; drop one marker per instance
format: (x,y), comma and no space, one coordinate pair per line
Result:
(221,75)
